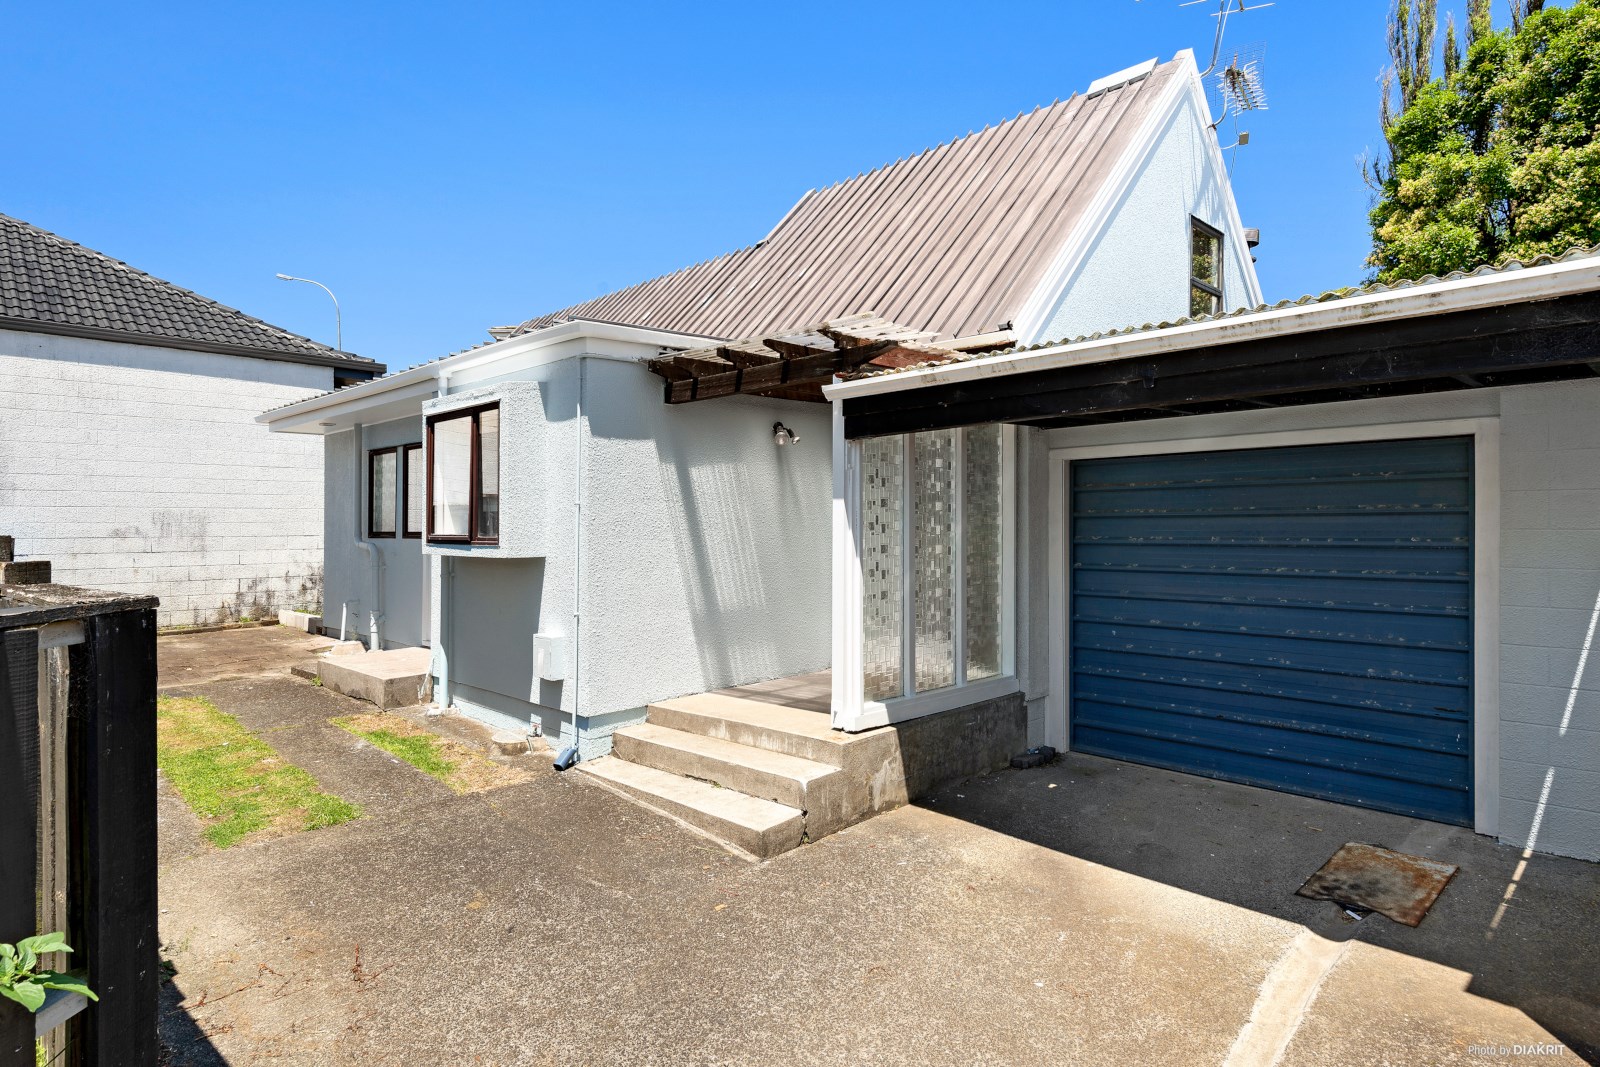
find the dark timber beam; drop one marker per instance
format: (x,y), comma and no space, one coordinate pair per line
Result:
(1349,360)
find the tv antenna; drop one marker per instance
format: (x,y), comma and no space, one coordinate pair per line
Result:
(1239,82)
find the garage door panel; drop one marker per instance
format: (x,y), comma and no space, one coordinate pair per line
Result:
(1293,617)
(1304,589)
(1261,651)
(1407,796)
(1433,729)
(1446,562)
(1375,528)
(1420,459)
(1372,696)
(1202,615)
(1390,494)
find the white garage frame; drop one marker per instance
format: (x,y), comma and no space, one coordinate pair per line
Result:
(1485,434)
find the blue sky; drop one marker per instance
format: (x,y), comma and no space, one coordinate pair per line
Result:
(445,168)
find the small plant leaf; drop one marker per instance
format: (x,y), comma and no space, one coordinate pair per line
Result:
(29,994)
(52,942)
(69,983)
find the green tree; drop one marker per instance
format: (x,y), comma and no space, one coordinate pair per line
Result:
(1499,156)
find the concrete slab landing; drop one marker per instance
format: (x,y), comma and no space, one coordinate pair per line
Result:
(395,678)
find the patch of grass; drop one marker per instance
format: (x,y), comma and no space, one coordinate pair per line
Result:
(451,762)
(236,782)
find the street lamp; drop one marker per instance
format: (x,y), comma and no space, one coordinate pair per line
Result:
(338,318)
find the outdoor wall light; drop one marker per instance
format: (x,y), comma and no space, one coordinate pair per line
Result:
(782,435)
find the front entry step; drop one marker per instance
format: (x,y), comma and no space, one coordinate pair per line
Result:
(760,827)
(790,780)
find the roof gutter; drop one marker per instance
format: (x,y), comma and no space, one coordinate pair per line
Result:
(1515,285)
(464,361)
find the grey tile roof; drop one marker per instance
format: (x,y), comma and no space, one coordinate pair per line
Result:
(54,285)
(1505,266)
(951,240)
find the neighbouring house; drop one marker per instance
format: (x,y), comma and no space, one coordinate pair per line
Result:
(129,455)
(1347,547)
(580,535)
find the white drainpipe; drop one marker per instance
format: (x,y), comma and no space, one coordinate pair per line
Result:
(374,558)
(441,653)
(569,756)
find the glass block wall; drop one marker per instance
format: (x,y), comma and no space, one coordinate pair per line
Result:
(883,590)
(933,557)
(982,550)
(939,494)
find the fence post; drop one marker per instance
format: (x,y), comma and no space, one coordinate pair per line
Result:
(116,670)
(19,826)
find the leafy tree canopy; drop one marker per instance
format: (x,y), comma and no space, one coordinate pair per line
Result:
(1498,157)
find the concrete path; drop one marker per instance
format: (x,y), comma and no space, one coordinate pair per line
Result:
(1086,913)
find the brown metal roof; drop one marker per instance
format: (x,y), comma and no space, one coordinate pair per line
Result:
(952,240)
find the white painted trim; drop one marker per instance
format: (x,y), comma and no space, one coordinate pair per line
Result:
(1035,310)
(61,634)
(539,347)
(850,710)
(876,713)
(1519,285)
(848,676)
(1485,433)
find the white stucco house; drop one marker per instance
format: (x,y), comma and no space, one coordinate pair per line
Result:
(129,455)
(632,500)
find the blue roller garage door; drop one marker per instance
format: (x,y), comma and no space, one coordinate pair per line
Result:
(1295,618)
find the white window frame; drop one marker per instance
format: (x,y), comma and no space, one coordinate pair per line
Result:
(851,710)
(1485,434)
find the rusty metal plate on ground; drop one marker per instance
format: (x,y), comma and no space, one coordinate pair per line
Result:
(1392,883)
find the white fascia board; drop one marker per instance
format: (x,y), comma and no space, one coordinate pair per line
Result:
(345,407)
(1516,285)
(1030,318)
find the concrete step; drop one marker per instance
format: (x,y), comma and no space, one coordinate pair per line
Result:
(760,827)
(397,678)
(790,731)
(791,780)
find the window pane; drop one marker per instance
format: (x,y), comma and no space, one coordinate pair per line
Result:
(1203,261)
(983,551)
(416,491)
(1201,302)
(489,473)
(382,488)
(882,594)
(933,558)
(452,476)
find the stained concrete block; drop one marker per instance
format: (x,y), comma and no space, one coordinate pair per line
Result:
(300,620)
(25,572)
(7,549)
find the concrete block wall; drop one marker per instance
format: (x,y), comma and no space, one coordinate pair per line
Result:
(1550,608)
(141,469)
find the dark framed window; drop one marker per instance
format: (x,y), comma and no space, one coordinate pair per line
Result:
(1205,269)
(382,491)
(414,476)
(464,476)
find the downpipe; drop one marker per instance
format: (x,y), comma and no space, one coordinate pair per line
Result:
(360,541)
(569,755)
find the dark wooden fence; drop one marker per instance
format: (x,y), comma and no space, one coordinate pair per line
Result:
(101,818)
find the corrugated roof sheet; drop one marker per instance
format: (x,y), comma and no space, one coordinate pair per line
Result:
(952,240)
(1505,266)
(51,281)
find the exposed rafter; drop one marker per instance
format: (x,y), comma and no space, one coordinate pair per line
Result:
(795,364)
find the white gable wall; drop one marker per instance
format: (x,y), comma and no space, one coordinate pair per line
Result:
(141,469)
(1134,269)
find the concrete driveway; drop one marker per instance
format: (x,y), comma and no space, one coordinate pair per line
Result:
(1090,912)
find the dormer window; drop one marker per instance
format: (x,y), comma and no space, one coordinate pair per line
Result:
(1205,269)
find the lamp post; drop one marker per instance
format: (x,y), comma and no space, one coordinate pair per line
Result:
(338,318)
